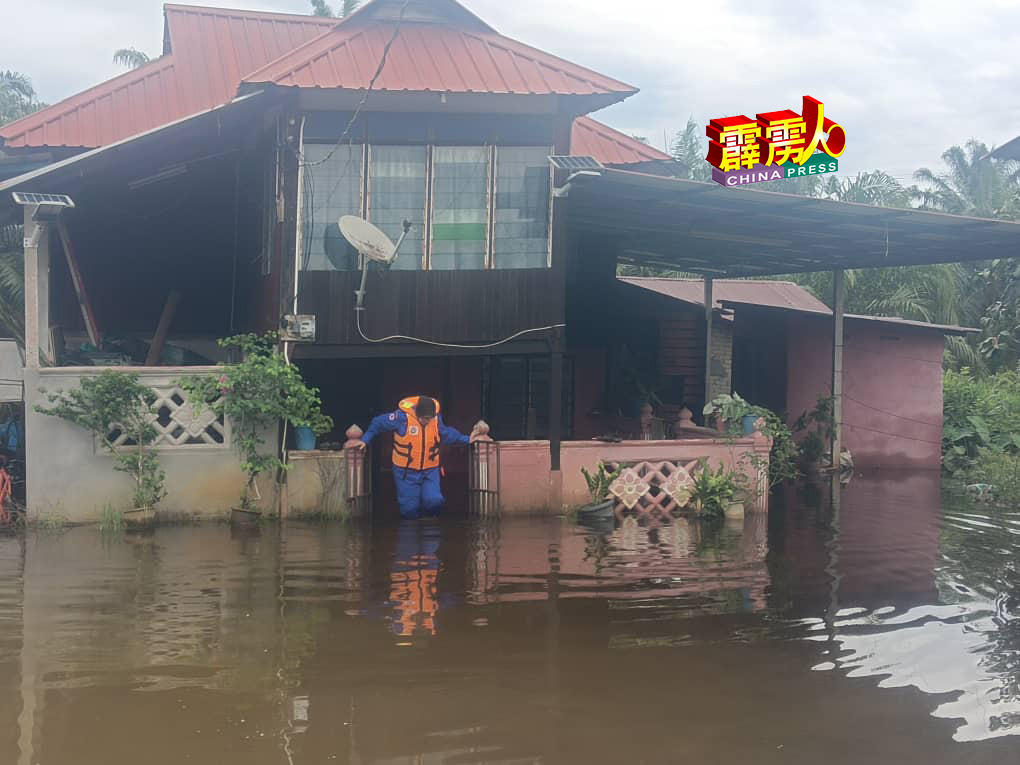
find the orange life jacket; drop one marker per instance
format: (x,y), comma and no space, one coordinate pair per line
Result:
(418,448)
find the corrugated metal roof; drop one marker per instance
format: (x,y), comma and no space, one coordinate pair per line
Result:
(945,329)
(431,57)
(210,49)
(753,292)
(207,52)
(611,147)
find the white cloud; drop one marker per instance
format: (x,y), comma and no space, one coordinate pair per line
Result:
(906,78)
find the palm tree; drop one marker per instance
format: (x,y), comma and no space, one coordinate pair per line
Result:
(130,58)
(12,284)
(690,147)
(974,184)
(17,97)
(871,188)
(347,7)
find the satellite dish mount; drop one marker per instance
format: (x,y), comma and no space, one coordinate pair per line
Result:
(371,244)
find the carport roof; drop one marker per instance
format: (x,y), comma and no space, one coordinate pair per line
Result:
(709,229)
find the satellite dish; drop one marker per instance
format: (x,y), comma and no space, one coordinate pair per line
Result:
(367,239)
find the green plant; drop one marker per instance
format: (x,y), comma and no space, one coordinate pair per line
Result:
(255,394)
(817,426)
(713,491)
(110,520)
(599,482)
(111,405)
(784,453)
(729,407)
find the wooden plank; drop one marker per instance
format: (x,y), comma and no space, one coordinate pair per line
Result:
(87,313)
(163,328)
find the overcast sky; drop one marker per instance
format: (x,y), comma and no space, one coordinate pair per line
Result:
(905,78)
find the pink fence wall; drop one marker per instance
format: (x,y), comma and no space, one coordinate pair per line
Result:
(528,485)
(892,385)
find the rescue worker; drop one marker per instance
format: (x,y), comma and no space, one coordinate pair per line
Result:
(418,431)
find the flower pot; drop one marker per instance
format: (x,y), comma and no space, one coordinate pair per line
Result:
(243,517)
(139,518)
(735,511)
(304,438)
(748,421)
(596,511)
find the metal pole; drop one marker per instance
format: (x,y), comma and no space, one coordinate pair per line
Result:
(709,300)
(838,302)
(35,234)
(555,402)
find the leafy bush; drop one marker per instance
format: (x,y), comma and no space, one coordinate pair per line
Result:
(598,483)
(713,491)
(981,419)
(255,394)
(113,403)
(784,454)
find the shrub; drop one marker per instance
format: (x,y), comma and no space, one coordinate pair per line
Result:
(108,405)
(713,491)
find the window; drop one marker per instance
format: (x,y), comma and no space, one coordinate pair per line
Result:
(460,194)
(332,188)
(396,192)
(523,180)
(471,207)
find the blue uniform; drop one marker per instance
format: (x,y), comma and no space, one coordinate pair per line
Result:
(418,491)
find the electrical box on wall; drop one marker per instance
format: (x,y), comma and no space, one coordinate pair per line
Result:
(297,329)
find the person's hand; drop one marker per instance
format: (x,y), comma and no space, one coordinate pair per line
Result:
(359,445)
(480,437)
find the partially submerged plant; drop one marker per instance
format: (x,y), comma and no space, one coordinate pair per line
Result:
(599,482)
(255,394)
(714,491)
(117,410)
(817,426)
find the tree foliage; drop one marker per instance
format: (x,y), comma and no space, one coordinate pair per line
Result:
(109,405)
(256,394)
(17,97)
(322,8)
(130,58)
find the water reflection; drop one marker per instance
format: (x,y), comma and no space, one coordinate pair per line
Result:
(886,631)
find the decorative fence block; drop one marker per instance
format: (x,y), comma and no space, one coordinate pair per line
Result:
(177,424)
(655,488)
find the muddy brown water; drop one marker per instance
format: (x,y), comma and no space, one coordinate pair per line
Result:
(886,632)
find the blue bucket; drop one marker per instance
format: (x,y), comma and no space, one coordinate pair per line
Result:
(748,421)
(305,438)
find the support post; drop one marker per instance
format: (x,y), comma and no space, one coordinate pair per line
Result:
(37,304)
(709,302)
(838,302)
(555,400)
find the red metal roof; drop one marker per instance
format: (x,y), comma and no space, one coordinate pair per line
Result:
(208,51)
(611,147)
(757,292)
(431,56)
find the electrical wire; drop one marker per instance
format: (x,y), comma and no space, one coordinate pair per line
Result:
(438,344)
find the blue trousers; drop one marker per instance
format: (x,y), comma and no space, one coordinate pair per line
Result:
(418,492)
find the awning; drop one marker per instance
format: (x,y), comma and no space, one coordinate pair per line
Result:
(172,145)
(709,229)
(942,329)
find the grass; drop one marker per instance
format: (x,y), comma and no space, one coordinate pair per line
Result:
(110,521)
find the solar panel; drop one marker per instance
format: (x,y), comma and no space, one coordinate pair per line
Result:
(31,198)
(572,163)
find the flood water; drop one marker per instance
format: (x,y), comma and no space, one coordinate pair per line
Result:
(887,631)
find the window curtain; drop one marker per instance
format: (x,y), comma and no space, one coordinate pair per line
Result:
(460,206)
(397,183)
(523,181)
(332,188)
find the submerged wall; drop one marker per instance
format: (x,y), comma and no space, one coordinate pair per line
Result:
(892,386)
(68,479)
(528,485)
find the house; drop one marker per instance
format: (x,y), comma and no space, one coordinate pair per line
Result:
(774,348)
(207,186)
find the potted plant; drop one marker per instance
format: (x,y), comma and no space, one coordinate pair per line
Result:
(116,408)
(816,428)
(731,412)
(307,426)
(255,394)
(714,492)
(601,504)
